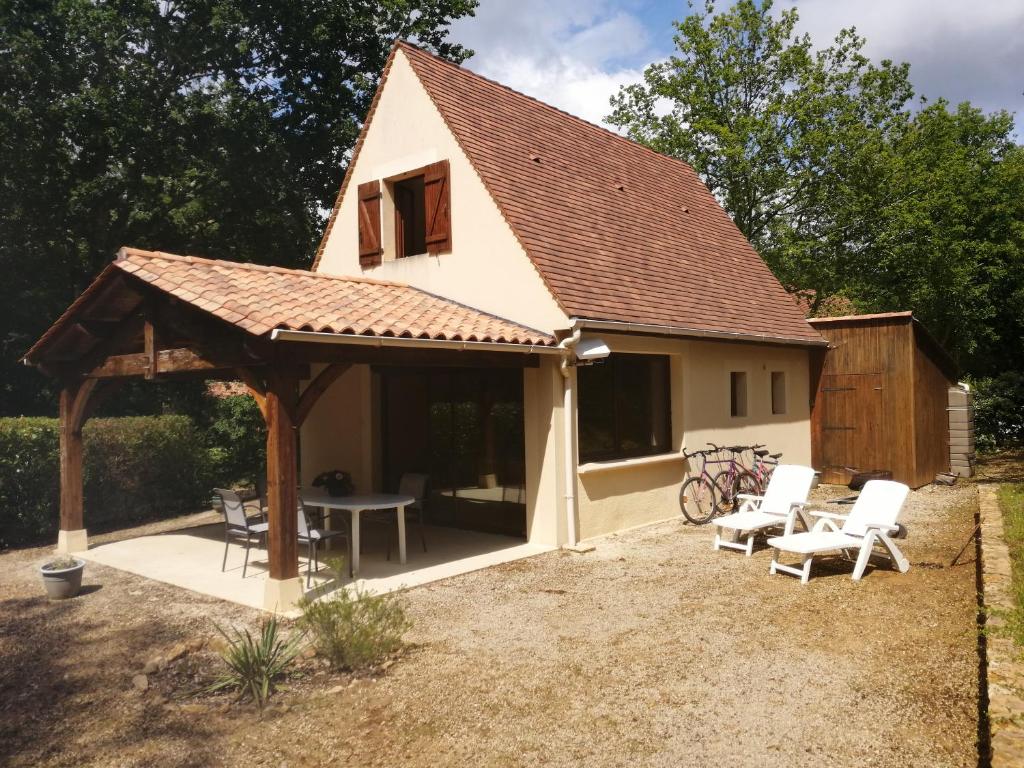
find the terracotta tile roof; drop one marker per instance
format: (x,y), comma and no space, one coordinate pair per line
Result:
(616,230)
(259,299)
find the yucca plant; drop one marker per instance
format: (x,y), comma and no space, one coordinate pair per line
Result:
(256,663)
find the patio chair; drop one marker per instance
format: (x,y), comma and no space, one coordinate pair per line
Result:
(871,521)
(782,503)
(411,484)
(238,525)
(313,538)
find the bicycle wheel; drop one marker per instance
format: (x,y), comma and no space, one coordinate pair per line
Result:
(697,500)
(728,488)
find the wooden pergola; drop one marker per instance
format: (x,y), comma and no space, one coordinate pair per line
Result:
(129,325)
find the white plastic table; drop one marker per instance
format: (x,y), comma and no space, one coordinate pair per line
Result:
(364,502)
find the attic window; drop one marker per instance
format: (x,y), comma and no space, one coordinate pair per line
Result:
(410,217)
(422,204)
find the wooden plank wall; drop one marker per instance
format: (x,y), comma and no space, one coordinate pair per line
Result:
(931,421)
(880,432)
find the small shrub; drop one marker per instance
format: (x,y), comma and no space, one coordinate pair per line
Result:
(256,663)
(355,629)
(999,411)
(60,563)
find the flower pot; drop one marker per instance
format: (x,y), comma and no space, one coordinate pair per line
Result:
(62,583)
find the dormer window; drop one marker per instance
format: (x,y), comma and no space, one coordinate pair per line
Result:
(420,201)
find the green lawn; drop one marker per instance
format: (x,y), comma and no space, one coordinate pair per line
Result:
(1011,501)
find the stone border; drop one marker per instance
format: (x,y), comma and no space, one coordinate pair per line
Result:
(1001,663)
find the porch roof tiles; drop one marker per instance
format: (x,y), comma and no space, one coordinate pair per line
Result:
(260,299)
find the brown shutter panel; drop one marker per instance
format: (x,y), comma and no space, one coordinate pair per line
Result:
(369,224)
(437,196)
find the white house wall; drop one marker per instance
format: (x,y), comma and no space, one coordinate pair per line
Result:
(487,268)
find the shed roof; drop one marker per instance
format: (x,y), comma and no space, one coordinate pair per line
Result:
(617,231)
(922,335)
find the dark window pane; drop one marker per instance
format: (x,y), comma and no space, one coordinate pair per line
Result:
(624,407)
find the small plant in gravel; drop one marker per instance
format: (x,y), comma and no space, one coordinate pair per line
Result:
(256,663)
(355,629)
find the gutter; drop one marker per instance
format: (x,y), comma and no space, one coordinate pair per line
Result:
(568,431)
(317,337)
(697,333)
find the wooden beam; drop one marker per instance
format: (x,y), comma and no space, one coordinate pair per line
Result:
(282,476)
(311,394)
(178,360)
(79,406)
(72,402)
(256,388)
(149,346)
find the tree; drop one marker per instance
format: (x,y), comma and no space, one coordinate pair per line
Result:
(215,127)
(846,192)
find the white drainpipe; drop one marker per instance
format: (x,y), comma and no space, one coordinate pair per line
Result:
(568,417)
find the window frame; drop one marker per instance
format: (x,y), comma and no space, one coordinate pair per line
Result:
(617,453)
(784,394)
(735,391)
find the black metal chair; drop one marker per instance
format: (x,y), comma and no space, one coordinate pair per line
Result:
(238,525)
(313,537)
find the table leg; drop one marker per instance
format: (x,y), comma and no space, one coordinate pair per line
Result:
(355,542)
(401,535)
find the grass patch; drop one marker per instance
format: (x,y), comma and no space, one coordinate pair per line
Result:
(1011,502)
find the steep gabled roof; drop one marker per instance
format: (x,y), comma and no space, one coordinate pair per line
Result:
(617,231)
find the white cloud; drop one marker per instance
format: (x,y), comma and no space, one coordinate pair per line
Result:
(569,54)
(960,51)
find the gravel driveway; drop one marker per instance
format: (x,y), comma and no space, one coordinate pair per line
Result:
(652,650)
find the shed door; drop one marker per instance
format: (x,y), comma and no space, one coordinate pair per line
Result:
(851,423)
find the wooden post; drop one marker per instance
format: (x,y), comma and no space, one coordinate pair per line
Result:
(282,478)
(74,398)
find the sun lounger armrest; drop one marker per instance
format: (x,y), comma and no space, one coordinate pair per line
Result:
(749,497)
(883,528)
(828,515)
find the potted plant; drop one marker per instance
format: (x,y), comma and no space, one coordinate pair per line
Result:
(62,576)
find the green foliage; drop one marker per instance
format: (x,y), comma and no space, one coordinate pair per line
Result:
(846,191)
(237,438)
(255,664)
(357,629)
(1011,501)
(999,411)
(135,468)
(213,127)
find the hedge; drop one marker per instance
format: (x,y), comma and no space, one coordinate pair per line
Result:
(136,468)
(999,411)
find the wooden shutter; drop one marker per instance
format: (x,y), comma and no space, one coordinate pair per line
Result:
(369,224)
(437,199)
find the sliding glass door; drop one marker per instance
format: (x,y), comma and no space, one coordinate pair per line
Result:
(464,428)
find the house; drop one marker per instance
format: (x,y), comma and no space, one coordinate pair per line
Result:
(534,311)
(886,398)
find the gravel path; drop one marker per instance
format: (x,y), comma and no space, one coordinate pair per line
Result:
(652,650)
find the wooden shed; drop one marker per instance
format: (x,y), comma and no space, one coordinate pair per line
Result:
(881,394)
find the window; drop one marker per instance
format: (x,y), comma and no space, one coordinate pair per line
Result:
(778,392)
(422,207)
(738,393)
(410,217)
(624,407)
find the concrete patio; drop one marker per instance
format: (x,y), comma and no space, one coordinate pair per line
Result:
(191,558)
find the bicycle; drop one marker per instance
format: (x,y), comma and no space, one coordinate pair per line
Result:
(735,479)
(764,465)
(697,496)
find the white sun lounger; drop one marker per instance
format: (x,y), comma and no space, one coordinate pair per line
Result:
(783,501)
(871,521)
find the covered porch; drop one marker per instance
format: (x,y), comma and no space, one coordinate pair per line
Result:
(290,336)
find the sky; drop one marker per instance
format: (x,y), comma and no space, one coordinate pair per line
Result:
(575,54)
